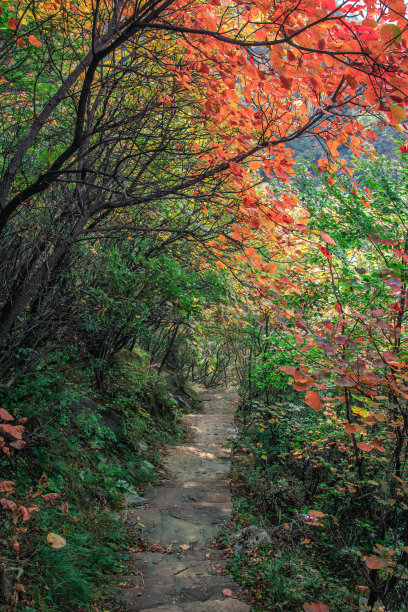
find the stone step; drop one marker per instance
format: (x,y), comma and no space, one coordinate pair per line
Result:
(173,494)
(167,527)
(160,589)
(212,605)
(187,510)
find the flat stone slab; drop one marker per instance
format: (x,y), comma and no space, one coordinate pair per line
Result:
(187,510)
(213,605)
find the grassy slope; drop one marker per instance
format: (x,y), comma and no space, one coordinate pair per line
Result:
(91,460)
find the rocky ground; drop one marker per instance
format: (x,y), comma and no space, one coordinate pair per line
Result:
(181,570)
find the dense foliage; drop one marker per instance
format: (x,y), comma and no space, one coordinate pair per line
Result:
(155,228)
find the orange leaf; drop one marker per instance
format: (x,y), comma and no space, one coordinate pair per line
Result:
(397,114)
(315,607)
(50,497)
(18,444)
(365,447)
(8,504)
(374,562)
(377,444)
(288,370)
(24,513)
(6,485)
(251,252)
(312,399)
(227,593)
(254,165)
(316,513)
(271,267)
(33,40)
(5,415)
(15,431)
(13,23)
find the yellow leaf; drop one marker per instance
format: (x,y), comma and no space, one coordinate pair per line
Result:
(56,540)
(397,113)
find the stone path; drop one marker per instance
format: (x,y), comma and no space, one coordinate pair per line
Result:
(183,517)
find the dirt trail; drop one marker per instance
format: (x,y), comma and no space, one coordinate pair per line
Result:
(188,510)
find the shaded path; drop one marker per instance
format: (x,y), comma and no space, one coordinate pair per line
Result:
(184,516)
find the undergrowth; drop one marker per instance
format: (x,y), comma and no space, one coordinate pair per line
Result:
(90,448)
(300,564)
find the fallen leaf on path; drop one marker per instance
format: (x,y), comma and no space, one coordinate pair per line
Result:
(227,593)
(185,546)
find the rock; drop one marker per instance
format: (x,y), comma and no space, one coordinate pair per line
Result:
(256,537)
(251,537)
(134,501)
(107,417)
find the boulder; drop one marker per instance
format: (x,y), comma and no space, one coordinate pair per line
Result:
(134,501)
(107,417)
(251,537)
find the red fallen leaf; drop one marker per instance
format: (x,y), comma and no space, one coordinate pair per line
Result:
(365,447)
(327,238)
(6,416)
(373,562)
(350,429)
(312,399)
(254,224)
(13,23)
(227,593)
(404,148)
(64,508)
(13,430)
(6,485)
(20,42)
(315,607)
